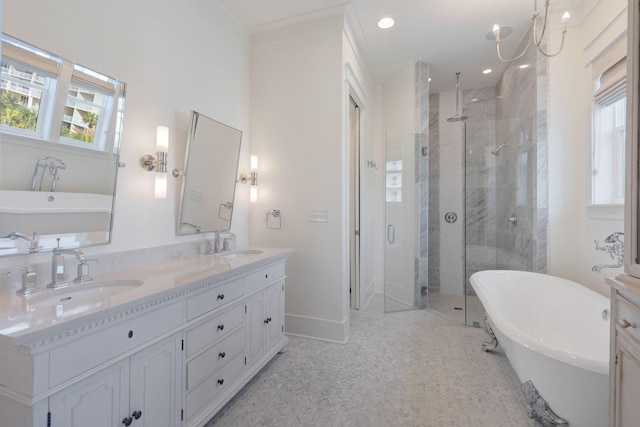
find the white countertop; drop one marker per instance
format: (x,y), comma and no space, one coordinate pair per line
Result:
(21,322)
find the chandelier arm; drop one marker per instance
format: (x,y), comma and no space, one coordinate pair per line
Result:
(534,18)
(515,58)
(551,55)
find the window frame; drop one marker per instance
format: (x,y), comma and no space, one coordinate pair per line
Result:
(53,104)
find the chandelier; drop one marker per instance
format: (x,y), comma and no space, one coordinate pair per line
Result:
(538,29)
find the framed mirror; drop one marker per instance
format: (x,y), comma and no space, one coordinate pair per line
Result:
(60,127)
(209,180)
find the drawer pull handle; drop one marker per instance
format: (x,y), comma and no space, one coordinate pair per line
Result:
(266,276)
(267,321)
(127,421)
(222,355)
(221,297)
(130,335)
(220,381)
(136,414)
(624,324)
(220,327)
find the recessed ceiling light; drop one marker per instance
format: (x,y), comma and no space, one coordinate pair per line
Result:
(487,71)
(386,22)
(523,66)
(429,78)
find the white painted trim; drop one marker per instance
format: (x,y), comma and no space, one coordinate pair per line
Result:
(316,328)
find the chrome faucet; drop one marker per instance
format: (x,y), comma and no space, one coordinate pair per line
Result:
(614,247)
(32,243)
(58,276)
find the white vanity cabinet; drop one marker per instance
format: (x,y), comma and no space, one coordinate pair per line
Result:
(264,321)
(143,390)
(171,358)
(231,342)
(624,373)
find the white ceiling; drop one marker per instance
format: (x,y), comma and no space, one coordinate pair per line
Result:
(449,34)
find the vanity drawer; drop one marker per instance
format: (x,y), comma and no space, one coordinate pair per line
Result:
(67,361)
(210,390)
(213,298)
(214,329)
(630,314)
(264,276)
(214,358)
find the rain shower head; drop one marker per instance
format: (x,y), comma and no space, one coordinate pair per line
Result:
(458,117)
(496,152)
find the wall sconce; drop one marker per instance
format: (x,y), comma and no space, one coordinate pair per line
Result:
(159,163)
(252,180)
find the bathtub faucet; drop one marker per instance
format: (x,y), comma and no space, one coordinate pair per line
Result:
(614,246)
(53,165)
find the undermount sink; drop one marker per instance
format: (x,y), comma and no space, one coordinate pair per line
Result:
(83,294)
(240,252)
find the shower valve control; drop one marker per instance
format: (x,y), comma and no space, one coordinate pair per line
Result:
(450,217)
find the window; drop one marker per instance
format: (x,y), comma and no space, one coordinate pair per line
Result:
(394,181)
(87,110)
(609,125)
(28,84)
(33,88)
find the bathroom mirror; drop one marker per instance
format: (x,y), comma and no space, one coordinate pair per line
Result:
(60,127)
(209,180)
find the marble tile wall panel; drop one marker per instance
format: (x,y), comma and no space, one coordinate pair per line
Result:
(422,122)
(434,195)
(521,123)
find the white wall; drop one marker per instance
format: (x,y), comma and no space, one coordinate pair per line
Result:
(174,57)
(298,116)
(573,222)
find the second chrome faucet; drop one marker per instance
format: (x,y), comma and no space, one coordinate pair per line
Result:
(58,274)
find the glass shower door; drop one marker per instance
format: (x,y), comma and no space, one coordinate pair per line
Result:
(401,232)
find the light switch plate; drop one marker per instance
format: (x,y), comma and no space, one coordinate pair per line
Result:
(318,215)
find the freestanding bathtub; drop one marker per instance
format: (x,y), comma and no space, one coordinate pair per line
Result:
(555,333)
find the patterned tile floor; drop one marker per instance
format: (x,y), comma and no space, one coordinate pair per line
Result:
(411,368)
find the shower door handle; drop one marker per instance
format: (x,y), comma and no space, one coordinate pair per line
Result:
(391,233)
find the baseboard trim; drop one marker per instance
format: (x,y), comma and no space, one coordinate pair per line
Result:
(317,328)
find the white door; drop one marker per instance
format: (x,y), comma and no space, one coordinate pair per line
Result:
(156,380)
(254,327)
(274,326)
(101,400)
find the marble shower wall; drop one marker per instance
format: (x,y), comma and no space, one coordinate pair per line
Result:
(480,181)
(422,157)
(521,167)
(505,195)
(434,194)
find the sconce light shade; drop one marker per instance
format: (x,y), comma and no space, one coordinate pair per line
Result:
(252,180)
(162,138)
(161,186)
(158,163)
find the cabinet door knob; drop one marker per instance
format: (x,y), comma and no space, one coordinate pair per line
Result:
(130,334)
(624,324)
(136,414)
(220,381)
(222,355)
(220,327)
(267,321)
(127,421)
(221,297)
